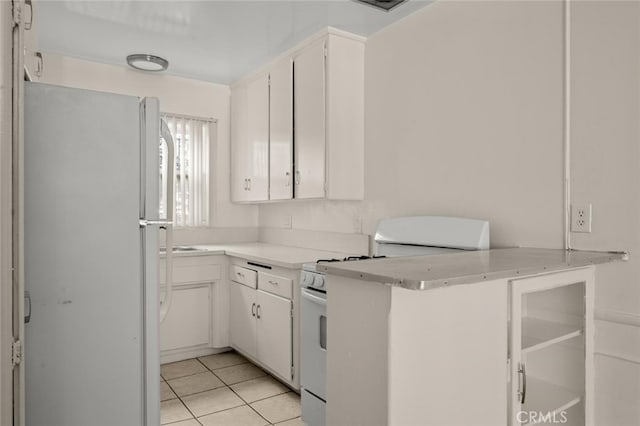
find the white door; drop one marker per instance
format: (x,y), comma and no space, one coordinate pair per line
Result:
(242,317)
(258,136)
(275,333)
(309,122)
(188,322)
(239,145)
(281,131)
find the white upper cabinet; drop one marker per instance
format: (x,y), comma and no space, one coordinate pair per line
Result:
(309,121)
(329,119)
(258,138)
(299,129)
(281,131)
(239,145)
(250,141)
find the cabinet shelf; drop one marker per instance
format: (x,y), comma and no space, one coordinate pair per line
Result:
(538,333)
(544,397)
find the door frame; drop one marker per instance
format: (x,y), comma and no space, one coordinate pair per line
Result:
(12,18)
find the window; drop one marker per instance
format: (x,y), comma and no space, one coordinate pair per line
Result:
(191,173)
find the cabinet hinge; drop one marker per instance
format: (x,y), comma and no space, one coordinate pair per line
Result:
(16,352)
(292,371)
(17,13)
(326,51)
(291,311)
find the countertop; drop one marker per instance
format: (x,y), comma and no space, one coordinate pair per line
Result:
(271,254)
(441,270)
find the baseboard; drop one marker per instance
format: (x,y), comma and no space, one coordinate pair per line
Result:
(617,335)
(175,355)
(618,317)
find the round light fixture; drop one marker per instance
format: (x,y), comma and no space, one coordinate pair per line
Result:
(144,62)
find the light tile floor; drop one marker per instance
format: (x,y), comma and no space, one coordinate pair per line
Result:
(224,389)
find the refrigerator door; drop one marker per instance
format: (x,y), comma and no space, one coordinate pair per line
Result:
(85,344)
(149,226)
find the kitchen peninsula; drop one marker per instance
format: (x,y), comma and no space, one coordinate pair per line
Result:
(454,338)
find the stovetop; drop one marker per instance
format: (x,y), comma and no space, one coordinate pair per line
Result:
(312,266)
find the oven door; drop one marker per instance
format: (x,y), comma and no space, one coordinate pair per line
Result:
(313,342)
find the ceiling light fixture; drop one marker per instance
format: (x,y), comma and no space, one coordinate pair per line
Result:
(144,62)
(385,5)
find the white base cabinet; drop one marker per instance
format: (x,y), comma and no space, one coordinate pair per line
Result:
(242,318)
(197,318)
(262,319)
(274,333)
(187,322)
(551,349)
(508,352)
(261,326)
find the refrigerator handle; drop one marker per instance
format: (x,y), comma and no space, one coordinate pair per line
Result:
(168,139)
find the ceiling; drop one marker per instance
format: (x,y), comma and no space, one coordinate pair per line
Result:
(216,41)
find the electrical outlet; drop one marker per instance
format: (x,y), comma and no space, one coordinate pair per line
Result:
(581,218)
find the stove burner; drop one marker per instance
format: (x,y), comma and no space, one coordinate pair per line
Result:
(349,259)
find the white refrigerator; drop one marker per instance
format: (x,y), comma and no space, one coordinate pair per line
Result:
(91,221)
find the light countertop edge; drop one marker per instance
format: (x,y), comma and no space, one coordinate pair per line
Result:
(444,270)
(272,254)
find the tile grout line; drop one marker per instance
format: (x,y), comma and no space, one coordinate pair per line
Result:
(248,404)
(228,386)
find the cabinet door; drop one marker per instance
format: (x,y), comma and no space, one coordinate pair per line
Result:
(188,321)
(242,318)
(275,333)
(281,131)
(239,144)
(551,348)
(309,122)
(258,135)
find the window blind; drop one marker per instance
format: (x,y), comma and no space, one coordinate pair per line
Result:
(192,170)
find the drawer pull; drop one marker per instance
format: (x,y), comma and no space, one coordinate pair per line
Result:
(258,312)
(240,274)
(253,309)
(273,282)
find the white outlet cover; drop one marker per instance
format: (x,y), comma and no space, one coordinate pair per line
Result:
(581,218)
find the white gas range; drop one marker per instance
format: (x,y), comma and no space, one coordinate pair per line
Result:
(404,236)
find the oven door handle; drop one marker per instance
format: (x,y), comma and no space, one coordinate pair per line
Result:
(313,298)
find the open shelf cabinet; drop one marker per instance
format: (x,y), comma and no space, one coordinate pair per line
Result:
(550,349)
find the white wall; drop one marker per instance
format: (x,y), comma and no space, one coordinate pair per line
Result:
(181,96)
(464,116)
(605,137)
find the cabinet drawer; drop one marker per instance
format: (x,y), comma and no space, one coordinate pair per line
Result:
(242,275)
(275,284)
(190,270)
